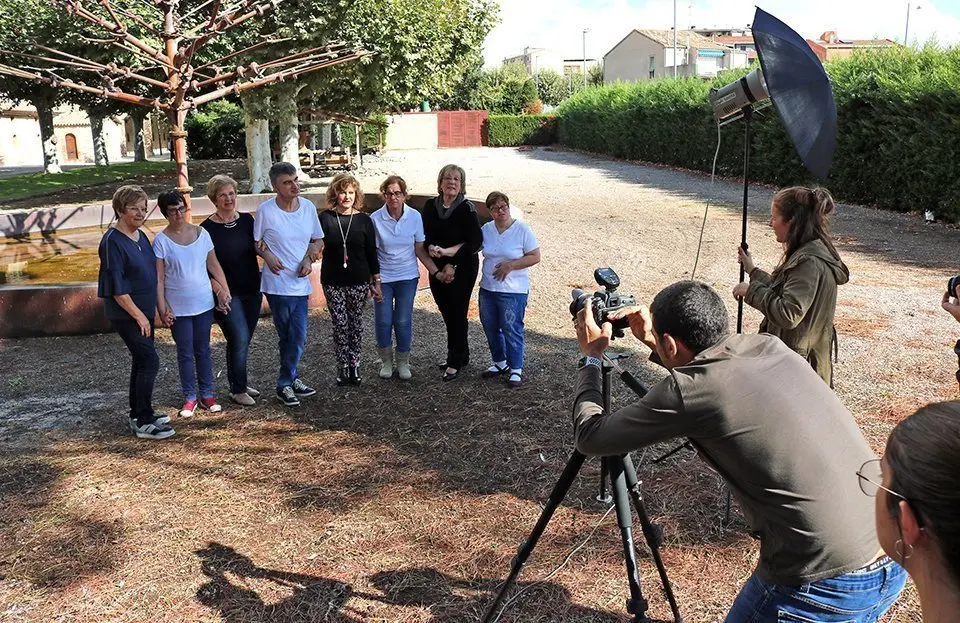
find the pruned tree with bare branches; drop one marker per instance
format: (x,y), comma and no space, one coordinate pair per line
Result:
(157,61)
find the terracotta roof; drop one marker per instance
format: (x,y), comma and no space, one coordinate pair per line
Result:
(859,43)
(685,39)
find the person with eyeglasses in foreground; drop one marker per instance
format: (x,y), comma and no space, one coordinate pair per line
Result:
(759,414)
(917,489)
(127,283)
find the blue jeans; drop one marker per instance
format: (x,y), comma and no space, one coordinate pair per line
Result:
(238,326)
(501,314)
(395,314)
(290,319)
(860,596)
(192,335)
(143,371)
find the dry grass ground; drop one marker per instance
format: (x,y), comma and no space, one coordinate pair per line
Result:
(405,502)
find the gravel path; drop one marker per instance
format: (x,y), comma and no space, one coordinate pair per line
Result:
(413,496)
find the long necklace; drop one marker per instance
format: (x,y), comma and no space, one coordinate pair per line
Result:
(343,236)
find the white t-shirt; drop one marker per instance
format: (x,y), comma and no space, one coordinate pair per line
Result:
(396,242)
(287,234)
(514,243)
(186,284)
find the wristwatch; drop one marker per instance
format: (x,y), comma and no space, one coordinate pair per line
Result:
(589,361)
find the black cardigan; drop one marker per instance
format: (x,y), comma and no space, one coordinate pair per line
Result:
(461,224)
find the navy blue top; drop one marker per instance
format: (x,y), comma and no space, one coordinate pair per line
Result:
(127,267)
(236,254)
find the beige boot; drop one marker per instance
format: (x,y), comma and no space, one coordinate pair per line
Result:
(403,366)
(386,362)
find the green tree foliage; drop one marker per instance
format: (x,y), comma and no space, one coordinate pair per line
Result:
(551,87)
(216,131)
(505,90)
(595,76)
(898,141)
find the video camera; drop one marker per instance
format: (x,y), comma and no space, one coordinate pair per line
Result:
(605,301)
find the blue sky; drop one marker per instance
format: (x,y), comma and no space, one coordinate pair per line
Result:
(559,24)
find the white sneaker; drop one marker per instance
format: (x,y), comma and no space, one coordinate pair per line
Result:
(243,398)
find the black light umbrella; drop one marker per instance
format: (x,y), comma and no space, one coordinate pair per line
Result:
(799,89)
(792,76)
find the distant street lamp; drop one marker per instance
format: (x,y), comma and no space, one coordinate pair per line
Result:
(675,38)
(585,31)
(906,29)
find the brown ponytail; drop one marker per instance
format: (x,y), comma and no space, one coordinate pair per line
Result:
(807,211)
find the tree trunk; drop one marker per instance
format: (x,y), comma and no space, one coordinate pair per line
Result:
(258,151)
(51,163)
(139,147)
(290,129)
(99,141)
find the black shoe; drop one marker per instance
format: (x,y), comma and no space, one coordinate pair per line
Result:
(153,431)
(355,377)
(449,376)
(287,397)
(302,390)
(343,375)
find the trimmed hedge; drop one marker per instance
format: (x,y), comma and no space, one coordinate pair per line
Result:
(898,138)
(512,130)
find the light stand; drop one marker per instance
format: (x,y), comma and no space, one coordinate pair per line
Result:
(625,487)
(747,116)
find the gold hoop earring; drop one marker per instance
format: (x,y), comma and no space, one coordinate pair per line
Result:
(899,546)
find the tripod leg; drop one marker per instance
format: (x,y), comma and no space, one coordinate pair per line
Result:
(604,496)
(651,533)
(636,604)
(526,548)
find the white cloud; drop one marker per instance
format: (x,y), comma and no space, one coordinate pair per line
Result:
(558,24)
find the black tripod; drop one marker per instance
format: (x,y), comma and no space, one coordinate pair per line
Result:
(625,486)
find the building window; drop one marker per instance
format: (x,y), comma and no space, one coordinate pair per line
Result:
(653,66)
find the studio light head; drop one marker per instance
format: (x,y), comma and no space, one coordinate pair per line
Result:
(731,99)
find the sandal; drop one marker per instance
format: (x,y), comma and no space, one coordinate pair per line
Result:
(494,371)
(515,379)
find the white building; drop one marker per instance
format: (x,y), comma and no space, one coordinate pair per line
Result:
(537,59)
(20,143)
(646,54)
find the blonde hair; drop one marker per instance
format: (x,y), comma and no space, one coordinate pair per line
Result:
(125,195)
(458,169)
(339,183)
(216,183)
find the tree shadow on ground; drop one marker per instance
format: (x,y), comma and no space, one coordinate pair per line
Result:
(884,235)
(57,550)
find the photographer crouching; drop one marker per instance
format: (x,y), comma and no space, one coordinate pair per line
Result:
(789,450)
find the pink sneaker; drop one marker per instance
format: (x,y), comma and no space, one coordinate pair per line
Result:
(188,408)
(210,404)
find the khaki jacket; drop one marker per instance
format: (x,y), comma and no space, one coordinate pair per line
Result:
(799,304)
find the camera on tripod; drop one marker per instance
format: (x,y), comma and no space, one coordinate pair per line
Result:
(605,301)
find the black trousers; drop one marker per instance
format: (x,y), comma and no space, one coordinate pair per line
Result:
(144,368)
(453,300)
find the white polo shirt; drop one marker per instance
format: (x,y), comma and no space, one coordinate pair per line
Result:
(514,243)
(396,240)
(287,234)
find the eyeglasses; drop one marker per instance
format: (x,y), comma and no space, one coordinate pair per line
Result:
(499,208)
(449,179)
(230,195)
(389,195)
(870,476)
(180,209)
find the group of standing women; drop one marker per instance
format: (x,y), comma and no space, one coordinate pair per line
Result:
(191,276)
